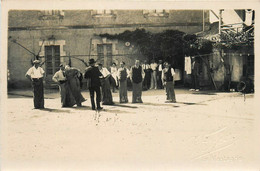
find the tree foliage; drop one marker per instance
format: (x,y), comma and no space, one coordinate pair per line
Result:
(169,45)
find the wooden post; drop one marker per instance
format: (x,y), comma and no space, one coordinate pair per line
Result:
(90,46)
(69,60)
(209,73)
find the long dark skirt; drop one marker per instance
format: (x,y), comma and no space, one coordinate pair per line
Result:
(74,86)
(137,93)
(67,99)
(112,83)
(38,93)
(106,92)
(123,91)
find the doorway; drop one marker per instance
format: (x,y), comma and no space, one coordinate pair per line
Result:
(52,62)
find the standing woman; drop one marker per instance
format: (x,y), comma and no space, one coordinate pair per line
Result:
(122,79)
(35,74)
(114,82)
(137,76)
(72,75)
(168,81)
(67,99)
(105,86)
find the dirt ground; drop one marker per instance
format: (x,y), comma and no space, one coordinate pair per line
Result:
(202,131)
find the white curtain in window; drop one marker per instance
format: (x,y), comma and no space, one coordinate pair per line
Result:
(249,17)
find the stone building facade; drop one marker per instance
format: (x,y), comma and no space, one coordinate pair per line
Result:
(57,34)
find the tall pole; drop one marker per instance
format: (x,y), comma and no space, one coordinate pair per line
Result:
(90,44)
(203,20)
(220,21)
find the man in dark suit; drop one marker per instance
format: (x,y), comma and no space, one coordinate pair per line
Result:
(93,76)
(195,74)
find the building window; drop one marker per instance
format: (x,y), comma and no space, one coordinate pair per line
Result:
(52,61)
(51,14)
(100,52)
(156,13)
(104,52)
(103,13)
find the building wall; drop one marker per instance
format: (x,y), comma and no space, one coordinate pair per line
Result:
(122,18)
(236,60)
(79,29)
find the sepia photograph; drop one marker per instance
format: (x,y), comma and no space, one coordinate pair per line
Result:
(149,87)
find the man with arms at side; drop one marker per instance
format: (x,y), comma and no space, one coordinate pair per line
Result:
(122,79)
(153,75)
(168,81)
(35,74)
(137,76)
(147,78)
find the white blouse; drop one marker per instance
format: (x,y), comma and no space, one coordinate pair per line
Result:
(35,73)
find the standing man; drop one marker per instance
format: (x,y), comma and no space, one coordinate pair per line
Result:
(35,74)
(67,99)
(195,74)
(160,68)
(147,77)
(154,75)
(168,81)
(93,75)
(122,79)
(137,76)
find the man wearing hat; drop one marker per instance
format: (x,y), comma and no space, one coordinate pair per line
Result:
(93,75)
(59,77)
(168,81)
(35,74)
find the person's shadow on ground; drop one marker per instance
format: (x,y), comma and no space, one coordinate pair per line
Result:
(55,110)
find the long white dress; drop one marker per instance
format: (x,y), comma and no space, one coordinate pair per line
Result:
(114,74)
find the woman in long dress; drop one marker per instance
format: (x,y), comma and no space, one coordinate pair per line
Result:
(107,98)
(67,99)
(114,81)
(73,82)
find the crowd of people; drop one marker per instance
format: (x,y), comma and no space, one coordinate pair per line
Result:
(100,81)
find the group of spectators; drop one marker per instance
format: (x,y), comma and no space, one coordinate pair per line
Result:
(100,82)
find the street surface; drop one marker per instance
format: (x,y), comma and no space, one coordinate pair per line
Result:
(202,131)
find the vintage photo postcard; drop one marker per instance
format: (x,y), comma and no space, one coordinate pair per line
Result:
(129,85)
